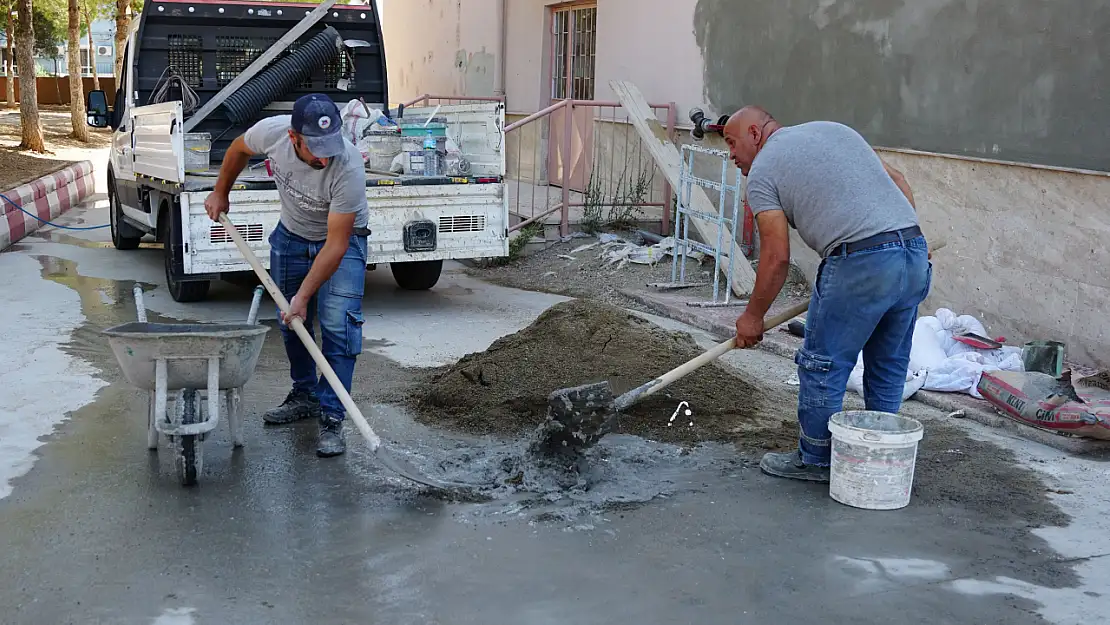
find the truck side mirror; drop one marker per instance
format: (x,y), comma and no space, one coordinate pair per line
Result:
(97,106)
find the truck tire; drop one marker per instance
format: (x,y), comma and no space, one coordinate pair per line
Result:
(181,291)
(417,276)
(124,236)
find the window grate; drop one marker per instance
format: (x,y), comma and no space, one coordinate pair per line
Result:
(184,55)
(250,233)
(462,223)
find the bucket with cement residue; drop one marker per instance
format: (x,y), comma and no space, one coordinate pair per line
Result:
(873,459)
(383,146)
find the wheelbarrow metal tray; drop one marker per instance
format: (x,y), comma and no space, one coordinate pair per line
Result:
(186,349)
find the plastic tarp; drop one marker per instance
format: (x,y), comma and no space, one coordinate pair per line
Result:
(938,362)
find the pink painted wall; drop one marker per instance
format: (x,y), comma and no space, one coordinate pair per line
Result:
(450,47)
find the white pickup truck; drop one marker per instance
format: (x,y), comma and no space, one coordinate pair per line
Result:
(416,222)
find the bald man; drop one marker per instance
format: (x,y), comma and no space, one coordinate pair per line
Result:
(823,179)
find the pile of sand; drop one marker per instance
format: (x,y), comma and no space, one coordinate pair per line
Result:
(504,390)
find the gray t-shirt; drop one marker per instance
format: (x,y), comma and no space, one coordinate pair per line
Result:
(830,183)
(307,194)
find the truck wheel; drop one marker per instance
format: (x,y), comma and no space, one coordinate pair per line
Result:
(124,236)
(181,291)
(417,276)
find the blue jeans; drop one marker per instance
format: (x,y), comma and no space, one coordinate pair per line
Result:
(865,301)
(338,304)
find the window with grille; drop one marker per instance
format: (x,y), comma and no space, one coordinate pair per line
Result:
(573,50)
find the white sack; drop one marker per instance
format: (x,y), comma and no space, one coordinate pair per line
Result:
(944,364)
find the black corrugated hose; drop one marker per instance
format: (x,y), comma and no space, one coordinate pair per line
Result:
(282,76)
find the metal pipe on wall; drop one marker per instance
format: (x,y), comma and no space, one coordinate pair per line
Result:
(503,53)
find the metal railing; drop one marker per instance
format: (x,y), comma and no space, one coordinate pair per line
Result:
(585,161)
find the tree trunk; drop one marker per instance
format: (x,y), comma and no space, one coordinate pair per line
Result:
(10,35)
(92,50)
(123,25)
(76,83)
(28,92)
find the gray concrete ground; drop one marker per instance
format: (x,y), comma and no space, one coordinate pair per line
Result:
(95,529)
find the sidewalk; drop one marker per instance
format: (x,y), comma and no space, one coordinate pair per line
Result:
(719,321)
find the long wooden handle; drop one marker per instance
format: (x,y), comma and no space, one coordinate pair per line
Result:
(306,338)
(683,370)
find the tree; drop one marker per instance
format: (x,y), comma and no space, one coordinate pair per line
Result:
(9,35)
(28,91)
(76,84)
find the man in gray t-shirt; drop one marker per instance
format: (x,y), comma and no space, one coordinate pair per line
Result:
(317,251)
(824,180)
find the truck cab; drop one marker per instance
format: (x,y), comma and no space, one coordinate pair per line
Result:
(169,140)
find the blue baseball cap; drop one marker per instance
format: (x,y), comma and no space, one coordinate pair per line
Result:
(316,118)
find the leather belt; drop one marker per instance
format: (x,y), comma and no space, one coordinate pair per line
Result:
(890,236)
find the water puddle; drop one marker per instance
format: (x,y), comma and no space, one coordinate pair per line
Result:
(105,303)
(60,236)
(621,472)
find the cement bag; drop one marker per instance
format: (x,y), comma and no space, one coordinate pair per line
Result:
(1032,398)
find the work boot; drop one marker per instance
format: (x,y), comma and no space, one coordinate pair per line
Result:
(298,405)
(331,441)
(790,465)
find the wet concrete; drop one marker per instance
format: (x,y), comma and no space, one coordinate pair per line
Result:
(99,531)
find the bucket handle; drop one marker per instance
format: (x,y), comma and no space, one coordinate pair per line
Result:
(870,436)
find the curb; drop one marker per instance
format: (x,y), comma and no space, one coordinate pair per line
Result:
(976,410)
(48,197)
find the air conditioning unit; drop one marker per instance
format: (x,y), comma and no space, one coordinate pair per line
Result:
(104,50)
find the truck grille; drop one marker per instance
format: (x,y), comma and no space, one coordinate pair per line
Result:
(462,223)
(250,232)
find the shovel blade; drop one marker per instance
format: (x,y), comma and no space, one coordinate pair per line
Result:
(577,417)
(461,492)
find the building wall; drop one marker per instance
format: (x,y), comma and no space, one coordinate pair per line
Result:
(450,47)
(1023,80)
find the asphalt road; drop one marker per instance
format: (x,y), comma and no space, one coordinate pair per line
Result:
(96,529)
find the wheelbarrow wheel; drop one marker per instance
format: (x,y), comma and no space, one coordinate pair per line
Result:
(189,449)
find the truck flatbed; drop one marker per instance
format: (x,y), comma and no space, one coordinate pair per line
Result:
(261,182)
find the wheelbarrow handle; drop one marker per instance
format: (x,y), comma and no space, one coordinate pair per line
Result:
(298,326)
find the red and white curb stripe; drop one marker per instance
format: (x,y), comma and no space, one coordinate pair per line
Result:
(48,197)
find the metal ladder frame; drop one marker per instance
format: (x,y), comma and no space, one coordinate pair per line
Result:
(682,243)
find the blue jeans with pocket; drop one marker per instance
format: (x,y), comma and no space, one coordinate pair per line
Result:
(337,304)
(864,301)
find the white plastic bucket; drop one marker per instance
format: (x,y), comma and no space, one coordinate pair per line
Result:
(873,459)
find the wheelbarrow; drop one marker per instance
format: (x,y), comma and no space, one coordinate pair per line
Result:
(198,364)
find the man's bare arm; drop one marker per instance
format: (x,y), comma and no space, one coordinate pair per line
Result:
(235,160)
(899,180)
(774,261)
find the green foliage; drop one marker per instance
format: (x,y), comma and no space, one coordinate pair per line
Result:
(50,21)
(516,246)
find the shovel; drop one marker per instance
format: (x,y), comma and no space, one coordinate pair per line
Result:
(394,464)
(584,414)
(579,416)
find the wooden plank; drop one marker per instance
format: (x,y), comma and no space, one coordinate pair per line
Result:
(669,159)
(260,63)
